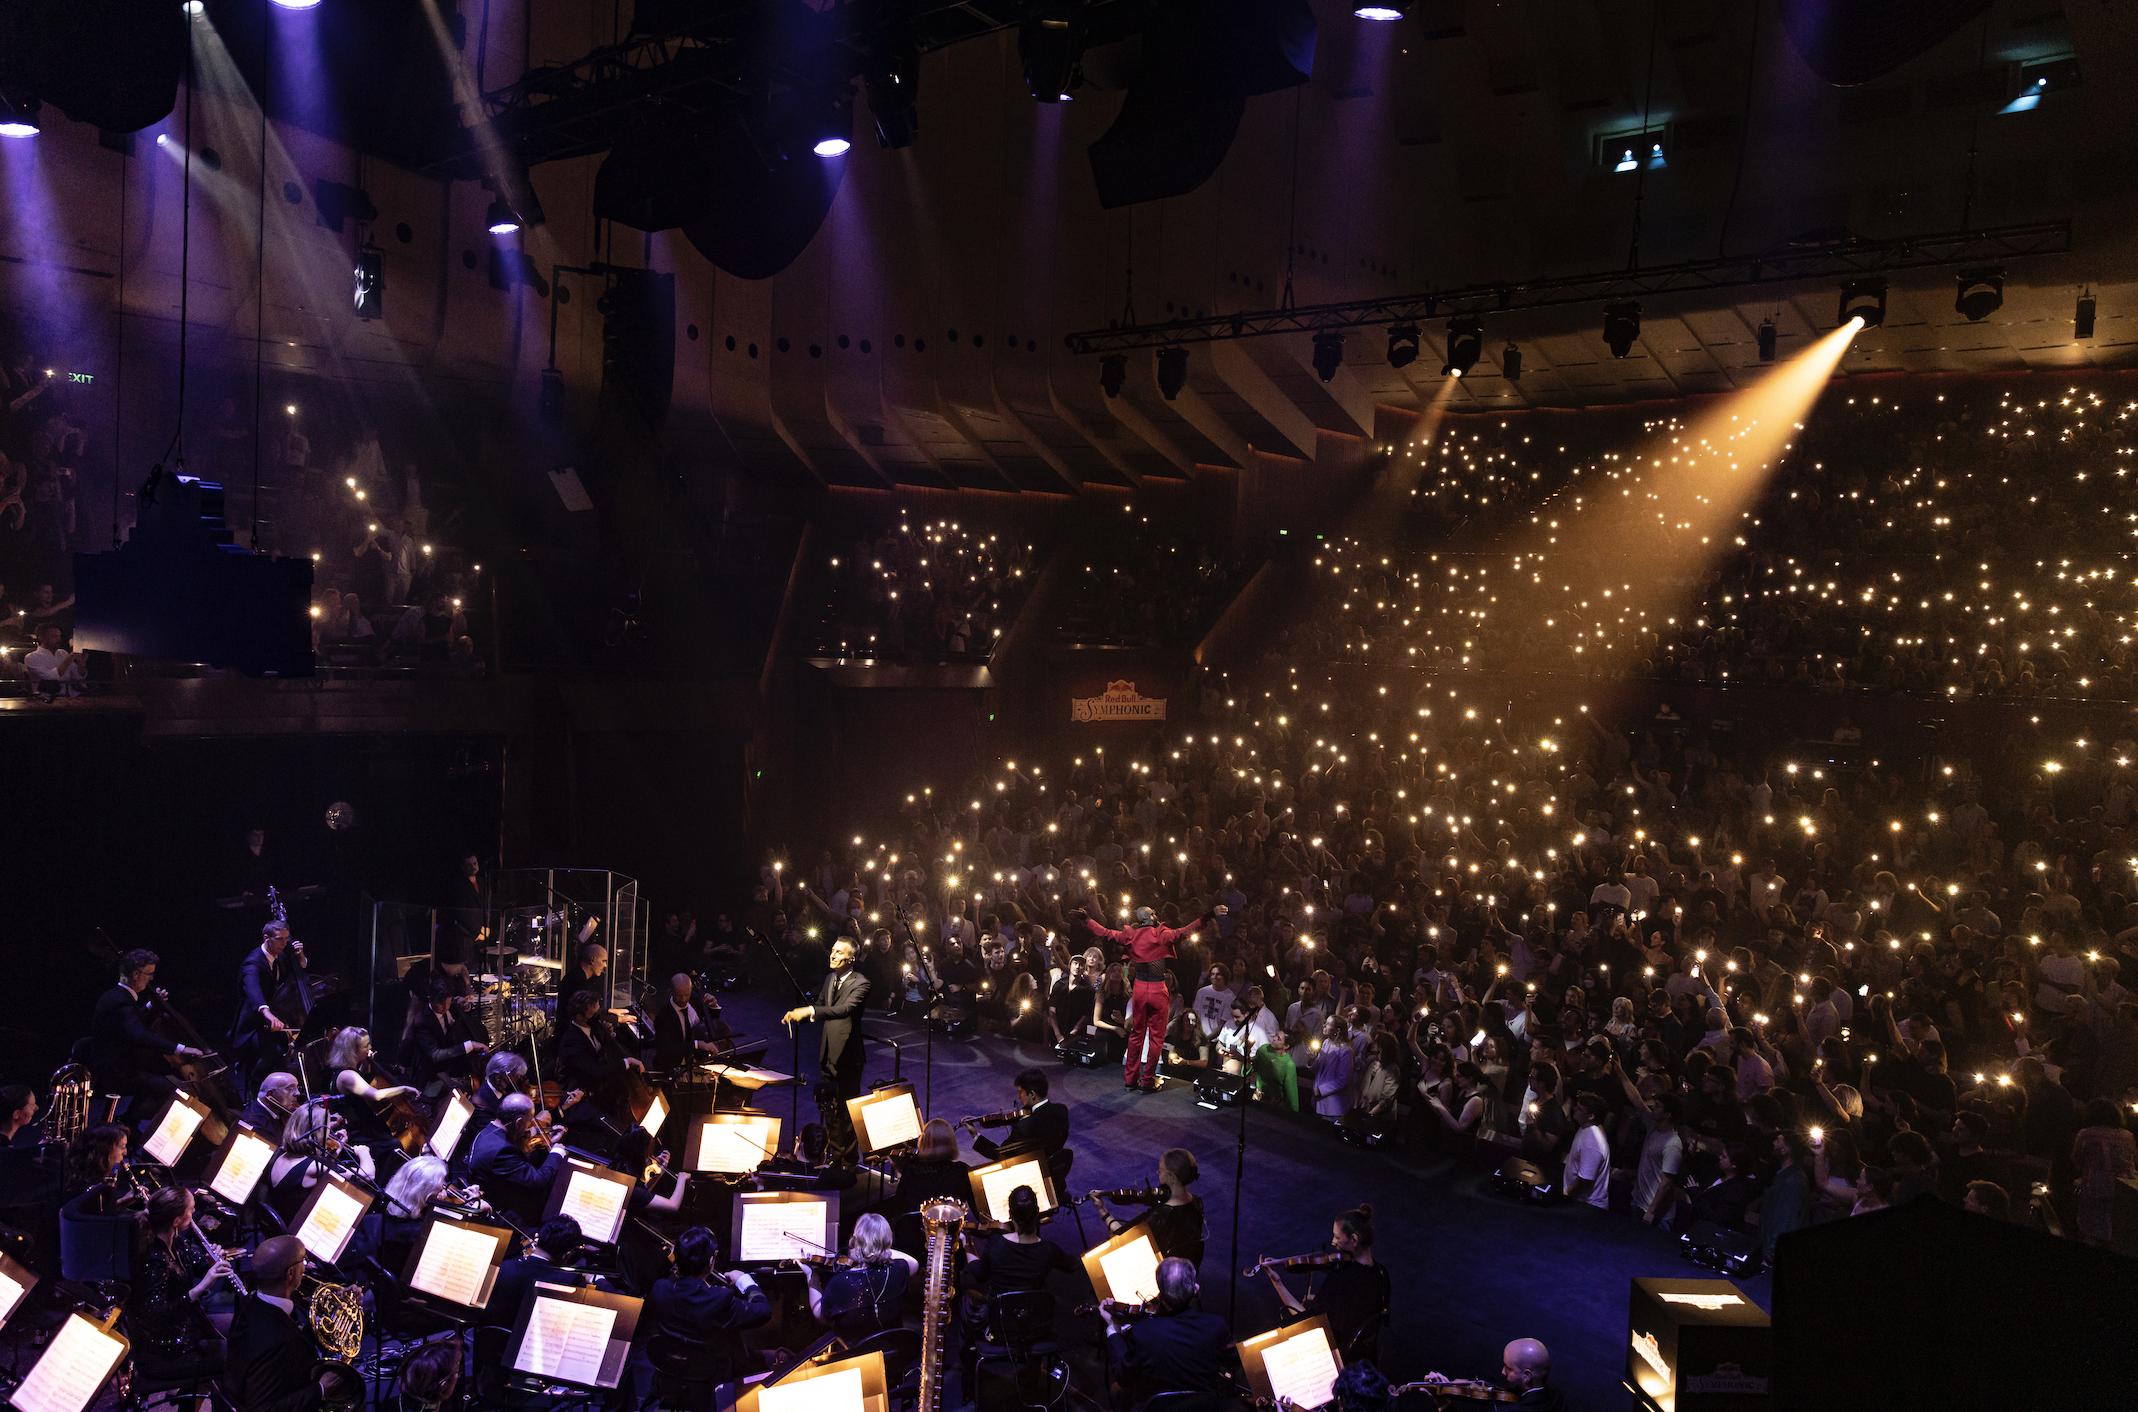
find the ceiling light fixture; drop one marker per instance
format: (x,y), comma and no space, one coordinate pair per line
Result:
(1622,326)
(1981,292)
(1864,299)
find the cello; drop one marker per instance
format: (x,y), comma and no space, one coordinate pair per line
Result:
(203,1074)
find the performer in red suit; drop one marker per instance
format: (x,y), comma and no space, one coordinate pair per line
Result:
(1147,946)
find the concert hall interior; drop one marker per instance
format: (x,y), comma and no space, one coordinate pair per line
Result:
(1068,705)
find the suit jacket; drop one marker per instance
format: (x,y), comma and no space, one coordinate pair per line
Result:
(268,1360)
(258,980)
(706,1309)
(116,1031)
(516,1277)
(511,1179)
(671,1046)
(588,1063)
(841,1001)
(430,1058)
(1182,1352)
(1045,1128)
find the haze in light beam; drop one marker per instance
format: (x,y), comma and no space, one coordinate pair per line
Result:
(1383,509)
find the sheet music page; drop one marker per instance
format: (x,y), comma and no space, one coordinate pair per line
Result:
(74,1366)
(333,1220)
(656,1114)
(1302,1368)
(168,1143)
(243,1166)
(891,1122)
(454,1265)
(732,1147)
(1132,1271)
(566,1341)
(999,1183)
(451,1123)
(11,1292)
(597,1205)
(834,1392)
(781,1230)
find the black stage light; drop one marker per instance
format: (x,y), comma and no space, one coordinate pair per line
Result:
(1981,292)
(1622,325)
(1113,373)
(1511,363)
(2082,320)
(1402,345)
(1864,299)
(1172,371)
(1328,353)
(369,292)
(1050,43)
(1767,334)
(1466,344)
(18,115)
(894,89)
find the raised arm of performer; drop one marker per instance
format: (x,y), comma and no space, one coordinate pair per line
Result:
(1147,946)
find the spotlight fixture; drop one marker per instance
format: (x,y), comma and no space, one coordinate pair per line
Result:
(1113,373)
(550,401)
(1622,325)
(1328,353)
(1511,363)
(831,122)
(1050,44)
(1864,299)
(501,219)
(832,147)
(370,298)
(1981,293)
(297,4)
(1402,345)
(1385,11)
(2082,318)
(18,117)
(1466,344)
(1767,334)
(1172,371)
(894,89)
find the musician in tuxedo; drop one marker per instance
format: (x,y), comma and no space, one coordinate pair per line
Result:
(1044,1128)
(686,1026)
(704,1307)
(591,1062)
(514,1169)
(267,968)
(842,999)
(118,1032)
(269,1354)
(556,1241)
(271,1107)
(1179,1348)
(430,1056)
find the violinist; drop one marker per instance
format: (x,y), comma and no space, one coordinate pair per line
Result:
(1041,1126)
(1020,1259)
(270,1107)
(1175,1221)
(513,1160)
(685,1028)
(934,1170)
(503,1073)
(313,1141)
(635,1154)
(118,1033)
(1525,1370)
(435,1051)
(1179,1348)
(707,1308)
(356,1099)
(258,1038)
(590,1061)
(556,1241)
(391,1227)
(864,1296)
(1355,1296)
(174,1271)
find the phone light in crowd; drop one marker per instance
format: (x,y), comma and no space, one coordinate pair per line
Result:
(1818,1134)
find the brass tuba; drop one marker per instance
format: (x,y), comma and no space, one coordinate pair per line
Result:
(337,1317)
(68,1112)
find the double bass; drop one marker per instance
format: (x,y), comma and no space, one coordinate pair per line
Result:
(204,1074)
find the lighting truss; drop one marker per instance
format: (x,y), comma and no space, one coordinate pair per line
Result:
(1789,264)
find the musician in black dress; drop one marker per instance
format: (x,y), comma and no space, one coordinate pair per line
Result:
(1355,1295)
(436,1051)
(358,1101)
(1020,1259)
(934,1170)
(590,1061)
(686,1027)
(313,1141)
(174,1270)
(119,1032)
(1044,1126)
(258,1037)
(1176,1218)
(865,1297)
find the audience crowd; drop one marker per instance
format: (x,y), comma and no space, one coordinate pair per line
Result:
(934,589)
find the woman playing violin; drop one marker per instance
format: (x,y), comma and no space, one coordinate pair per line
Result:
(635,1154)
(1176,1219)
(1355,1295)
(313,1140)
(864,1296)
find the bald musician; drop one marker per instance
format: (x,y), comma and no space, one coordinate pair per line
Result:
(1525,1369)
(270,1354)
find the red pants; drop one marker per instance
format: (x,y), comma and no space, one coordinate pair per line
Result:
(1149,1008)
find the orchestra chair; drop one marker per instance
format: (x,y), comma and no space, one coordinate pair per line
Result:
(144,1391)
(901,1350)
(490,1344)
(95,1248)
(1058,1167)
(686,1371)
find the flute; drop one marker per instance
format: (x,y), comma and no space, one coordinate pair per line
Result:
(215,1253)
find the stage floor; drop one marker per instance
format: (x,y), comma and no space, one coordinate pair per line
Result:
(1472,1270)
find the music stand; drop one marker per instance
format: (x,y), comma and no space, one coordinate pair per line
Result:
(885,1119)
(576,1339)
(771,1226)
(992,1184)
(1125,1268)
(453,1266)
(1298,1361)
(181,1118)
(597,1197)
(746,1078)
(656,1114)
(234,1169)
(454,1115)
(854,1384)
(16,1282)
(70,1375)
(730,1144)
(328,1219)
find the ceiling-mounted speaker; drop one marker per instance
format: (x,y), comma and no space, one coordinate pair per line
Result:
(760,220)
(111,63)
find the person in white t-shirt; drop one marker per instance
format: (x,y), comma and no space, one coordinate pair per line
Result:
(1588,1161)
(1655,1181)
(1613,890)
(1641,887)
(1213,1003)
(50,663)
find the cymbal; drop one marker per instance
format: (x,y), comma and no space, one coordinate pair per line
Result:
(542,961)
(489,980)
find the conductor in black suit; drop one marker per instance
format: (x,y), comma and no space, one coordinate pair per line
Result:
(117,1033)
(269,1354)
(265,970)
(1044,1128)
(841,1001)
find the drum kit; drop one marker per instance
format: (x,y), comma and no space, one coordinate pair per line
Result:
(517,995)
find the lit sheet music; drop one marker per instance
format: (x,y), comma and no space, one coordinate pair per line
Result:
(325,1233)
(451,1123)
(456,1265)
(566,1341)
(168,1143)
(781,1230)
(834,1392)
(891,1122)
(73,1367)
(733,1147)
(1302,1368)
(999,1183)
(656,1114)
(1132,1271)
(597,1204)
(243,1166)
(11,1292)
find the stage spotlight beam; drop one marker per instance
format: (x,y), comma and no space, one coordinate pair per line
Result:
(1980,293)
(19,117)
(1622,326)
(1863,299)
(501,219)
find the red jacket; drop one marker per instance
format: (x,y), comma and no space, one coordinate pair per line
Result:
(1147,944)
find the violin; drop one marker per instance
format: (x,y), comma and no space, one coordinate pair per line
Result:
(1470,1388)
(991,1120)
(529,1134)
(1319,1260)
(1121,1313)
(817,1260)
(401,1117)
(1131,1196)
